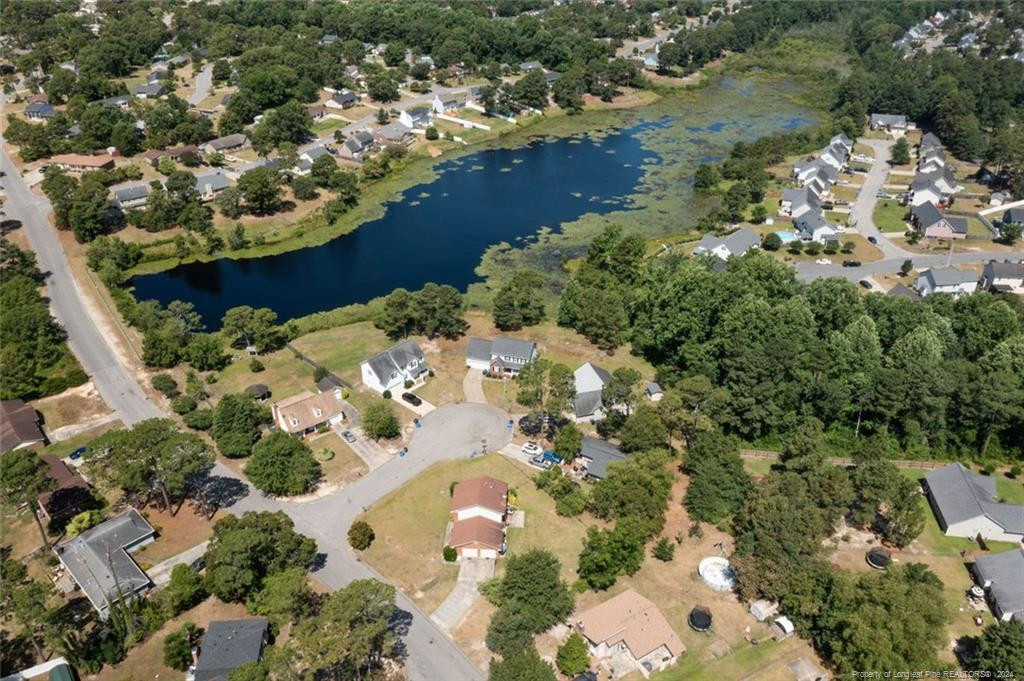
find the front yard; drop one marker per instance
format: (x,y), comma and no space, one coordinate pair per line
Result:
(889,216)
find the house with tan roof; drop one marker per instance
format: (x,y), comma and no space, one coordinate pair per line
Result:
(80,163)
(629,629)
(307,412)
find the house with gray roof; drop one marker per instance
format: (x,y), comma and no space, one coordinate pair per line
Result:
(965,505)
(149,90)
(590,381)
(389,370)
(946,280)
(929,141)
(1014,216)
(227,645)
(328,39)
(596,455)
(211,184)
(345,99)
(393,133)
(812,226)
(39,111)
(842,140)
(528,66)
(888,122)
(501,356)
(357,145)
(220,145)
(1001,575)
(934,225)
(308,157)
(735,244)
(796,202)
(98,560)
(130,196)
(1003,277)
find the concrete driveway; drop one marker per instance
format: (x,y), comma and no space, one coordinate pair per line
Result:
(367,449)
(473,386)
(160,573)
(456,606)
(422,410)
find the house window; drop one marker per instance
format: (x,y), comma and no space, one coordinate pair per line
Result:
(294,421)
(318,412)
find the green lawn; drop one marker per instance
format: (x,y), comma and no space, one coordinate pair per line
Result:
(284,373)
(758,466)
(889,216)
(341,349)
(1009,490)
(767,659)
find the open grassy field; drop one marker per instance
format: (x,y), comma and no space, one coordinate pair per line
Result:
(284,373)
(341,349)
(888,216)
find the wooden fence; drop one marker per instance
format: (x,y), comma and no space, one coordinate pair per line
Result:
(766,455)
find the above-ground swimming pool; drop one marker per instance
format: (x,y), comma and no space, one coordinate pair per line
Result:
(717,573)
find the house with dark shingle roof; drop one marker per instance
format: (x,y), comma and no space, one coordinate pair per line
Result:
(934,225)
(357,145)
(735,244)
(19,425)
(946,280)
(590,381)
(1003,276)
(389,370)
(965,505)
(227,645)
(501,356)
(39,111)
(1001,575)
(1014,216)
(796,202)
(149,90)
(130,196)
(597,455)
(888,122)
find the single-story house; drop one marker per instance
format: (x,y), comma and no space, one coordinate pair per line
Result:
(813,226)
(1014,216)
(307,158)
(482,496)
(590,381)
(630,627)
(596,455)
(796,202)
(211,184)
(390,369)
(946,280)
(964,505)
(227,645)
(19,425)
(450,102)
(118,101)
(38,111)
(346,99)
(80,163)
(154,156)
(328,39)
(221,145)
(528,66)
(393,133)
(477,537)
(237,171)
(735,244)
(653,391)
(316,112)
(130,196)
(1002,577)
(901,291)
(306,412)
(999,198)
(501,356)
(70,493)
(357,145)
(1003,276)
(149,90)
(99,563)
(888,122)
(934,225)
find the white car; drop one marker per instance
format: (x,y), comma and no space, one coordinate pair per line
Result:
(531,449)
(822,261)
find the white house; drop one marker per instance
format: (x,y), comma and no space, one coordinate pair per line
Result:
(478,513)
(417,117)
(946,280)
(1002,577)
(812,226)
(890,122)
(1003,276)
(796,202)
(925,191)
(501,356)
(834,155)
(737,243)
(590,380)
(390,369)
(308,412)
(964,505)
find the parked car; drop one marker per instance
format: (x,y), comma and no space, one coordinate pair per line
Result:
(872,240)
(822,261)
(540,462)
(349,436)
(851,263)
(866,284)
(531,449)
(77,454)
(412,399)
(549,455)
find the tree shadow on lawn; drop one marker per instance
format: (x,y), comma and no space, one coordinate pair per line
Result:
(217,491)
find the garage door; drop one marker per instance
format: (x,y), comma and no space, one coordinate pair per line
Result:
(488,553)
(470,553)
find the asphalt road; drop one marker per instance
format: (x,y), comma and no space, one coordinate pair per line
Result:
(204,81)
(862,213)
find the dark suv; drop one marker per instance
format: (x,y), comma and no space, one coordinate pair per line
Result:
(412,399)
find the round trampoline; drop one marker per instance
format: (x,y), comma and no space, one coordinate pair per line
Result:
(879,558)
(700,618)
(717,573)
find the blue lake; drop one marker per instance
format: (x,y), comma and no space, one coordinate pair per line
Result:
(438,231)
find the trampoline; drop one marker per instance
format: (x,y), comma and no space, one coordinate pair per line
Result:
(878,558)
(700,618)
(717,573)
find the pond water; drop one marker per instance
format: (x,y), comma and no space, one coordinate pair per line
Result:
(439,230)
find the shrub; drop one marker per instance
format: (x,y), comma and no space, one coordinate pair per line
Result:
(379,421)
(795,247)
(664,550)
(696,530)
(82,522)
(431,133)
(165,384)
(184,590)
(256,366)
(989,468)
(319,374)
(1015,471)
(572,657)
(183,404)
(282,465)
(848,246)
(200,419)
(386,394)
(772,242)
(178,646)
(449,554)
(408,384)
(360,535)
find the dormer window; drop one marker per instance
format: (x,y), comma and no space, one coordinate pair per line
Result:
(318,412)
(294,421)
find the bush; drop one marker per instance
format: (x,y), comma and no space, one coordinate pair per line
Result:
(1015,471)
(200,419)
(360,535)
(772,242)
(185,590)
(408,384)
(165,384)
(256,366)
(848,246)
(82,522)
(573,658)
(449,554)
(379,421)
(386,394)
(183,404)
(319,374)
(664,550)
(795,247)
(178,646)
(431,133)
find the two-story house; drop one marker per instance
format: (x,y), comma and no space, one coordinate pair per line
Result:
(390,369)
(501,356)
(308,412)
